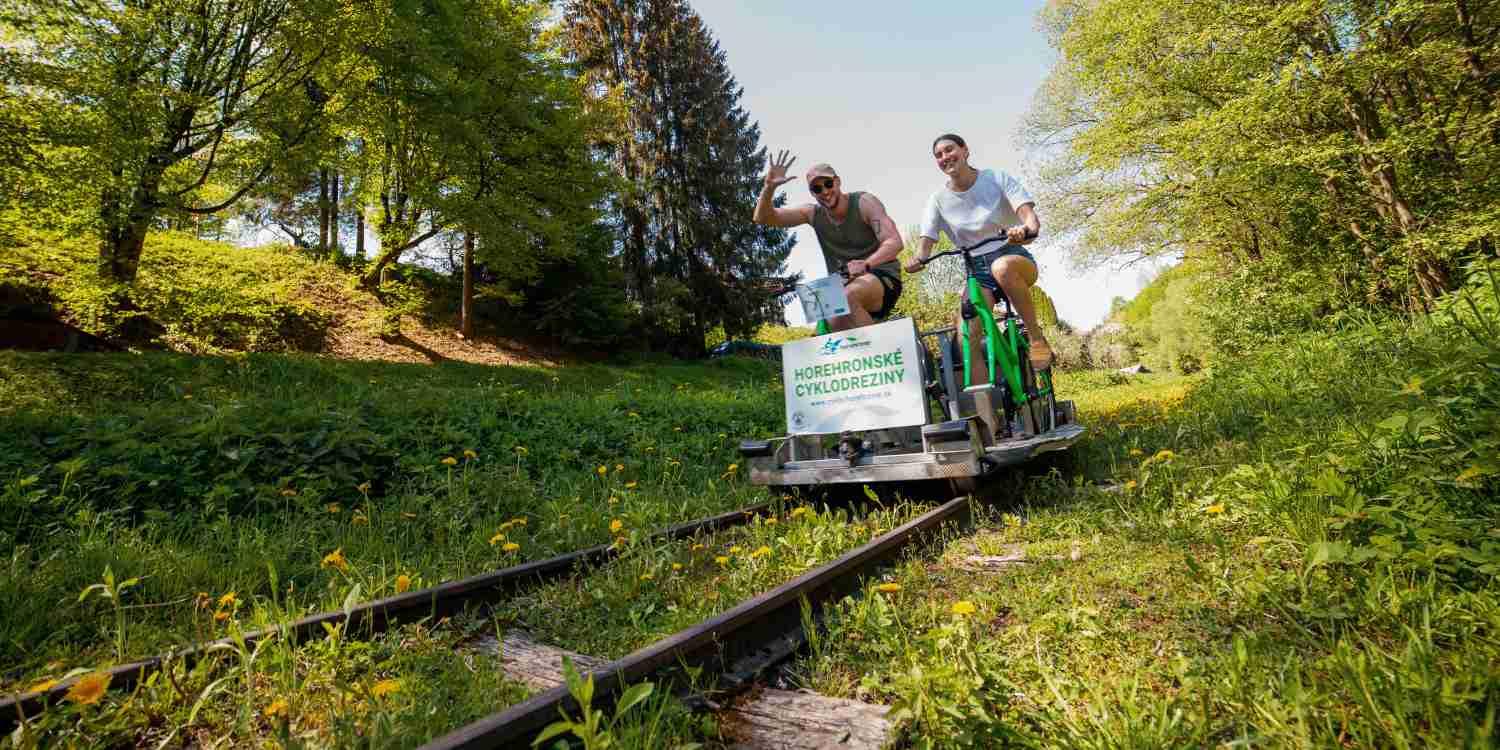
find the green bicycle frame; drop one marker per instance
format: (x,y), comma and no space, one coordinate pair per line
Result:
(1007,350)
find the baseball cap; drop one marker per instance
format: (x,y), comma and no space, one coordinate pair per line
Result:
(820,170)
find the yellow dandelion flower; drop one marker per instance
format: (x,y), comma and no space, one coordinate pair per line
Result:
(448,461)
(360,520)
(510,547)
(602,470)
(619,468)
(334,508)
(733,467)
(497,538)
(1130,485)
(1136,452)
(335,559)
(364,487)
(633,415)
(771,521)
(630,485)
(1163,455)
(1215,508)
(962,608)
(408,516)
(888,588)
(761,552)
(676,566)
(722,436)
(613,499)
(722,560)
(277,708)
(735,550)
(697,548)
(615,525)
(221,616)
(41,686)
(469,454)
(677,429)
(227,600)
(385,687)
(647,577)
(289,492)
(518,521)
(89,688)
(521,450)
(799,511)
(403,583)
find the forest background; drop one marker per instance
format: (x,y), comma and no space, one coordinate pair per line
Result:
(586,166)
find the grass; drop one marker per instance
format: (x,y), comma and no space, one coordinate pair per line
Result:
(1291,551)
(201,475)
(191,295)
(1296,550)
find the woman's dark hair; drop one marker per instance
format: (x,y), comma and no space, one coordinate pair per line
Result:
(948,137)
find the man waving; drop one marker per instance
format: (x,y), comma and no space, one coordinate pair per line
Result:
(854,232)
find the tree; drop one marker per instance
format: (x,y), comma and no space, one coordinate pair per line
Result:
(473,127)
(1356,139)
(689,161)
(158,99)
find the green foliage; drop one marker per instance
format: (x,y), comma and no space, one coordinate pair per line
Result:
(136,109)
(191,295)
(594,729)
(689,162)
(1287,149)
(1294,550)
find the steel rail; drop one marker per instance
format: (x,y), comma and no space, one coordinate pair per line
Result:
(376,616)
(751,626)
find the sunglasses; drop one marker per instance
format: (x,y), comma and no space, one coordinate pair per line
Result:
(817,187)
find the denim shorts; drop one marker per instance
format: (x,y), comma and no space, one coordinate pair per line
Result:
(980,264)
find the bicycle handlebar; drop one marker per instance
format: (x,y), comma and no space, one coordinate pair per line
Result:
(1030,235)
(788,284)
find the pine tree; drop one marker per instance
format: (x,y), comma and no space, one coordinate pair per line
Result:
(690,161)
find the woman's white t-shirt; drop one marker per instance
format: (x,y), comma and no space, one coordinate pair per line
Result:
(986,209)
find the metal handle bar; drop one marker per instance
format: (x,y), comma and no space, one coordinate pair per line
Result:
(789,285)
(1030,235)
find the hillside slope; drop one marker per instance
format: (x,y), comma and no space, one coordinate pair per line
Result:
(202,297)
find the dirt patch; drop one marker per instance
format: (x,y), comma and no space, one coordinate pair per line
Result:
(354,334)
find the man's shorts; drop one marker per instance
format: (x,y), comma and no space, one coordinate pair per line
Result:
(890,285)
(980,264)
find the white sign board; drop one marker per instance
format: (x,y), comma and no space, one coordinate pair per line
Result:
(865,379)
(823,298)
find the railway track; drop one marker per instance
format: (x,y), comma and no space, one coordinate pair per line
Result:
(376,616)
(738,644)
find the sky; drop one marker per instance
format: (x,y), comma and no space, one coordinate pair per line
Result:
(867,86)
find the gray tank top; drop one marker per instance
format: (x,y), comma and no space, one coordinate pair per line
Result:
(851,240)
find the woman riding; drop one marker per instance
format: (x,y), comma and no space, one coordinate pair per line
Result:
(976,205)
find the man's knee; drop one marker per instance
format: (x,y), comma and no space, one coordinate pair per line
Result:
(866,292)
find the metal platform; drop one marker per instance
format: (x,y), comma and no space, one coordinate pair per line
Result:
(953,459)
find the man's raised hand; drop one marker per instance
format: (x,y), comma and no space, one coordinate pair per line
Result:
(776,176)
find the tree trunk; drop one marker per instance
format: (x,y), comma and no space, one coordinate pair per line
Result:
(125,236)
(359,231)
(466,321)
(333,218)
(322,211)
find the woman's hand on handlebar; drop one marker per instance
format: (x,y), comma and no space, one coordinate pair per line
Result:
(1019,234)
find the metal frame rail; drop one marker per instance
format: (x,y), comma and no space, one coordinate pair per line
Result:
(755,625)
(376,616)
